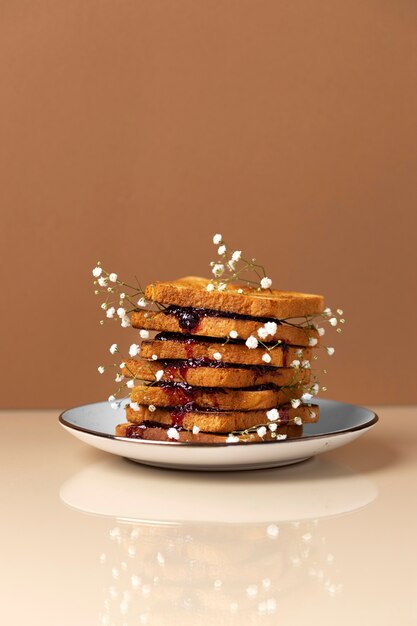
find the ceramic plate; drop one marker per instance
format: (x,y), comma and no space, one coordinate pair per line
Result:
(339,424)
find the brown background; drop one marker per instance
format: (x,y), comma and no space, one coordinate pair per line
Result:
(131,131)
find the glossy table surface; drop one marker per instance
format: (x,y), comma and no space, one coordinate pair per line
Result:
(88,538)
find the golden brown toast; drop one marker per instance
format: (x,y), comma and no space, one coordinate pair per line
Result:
(191,291)
(221,421)
(155,433)
(230,352)
(178,394)
(209,326)
(202,375)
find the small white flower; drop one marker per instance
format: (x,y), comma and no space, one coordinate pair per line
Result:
(114,405)
(298,421)
(240,290)
(110,312)
(221,250)
(122,365)
(112,277)
(159,374)
(196,430)
(312,414)
(217,356)
(154,357)
(111,398)
(103,306)
(210,287)
(134,349)
(113,348)
(333,321)
(251,342)
(295,403)
(125,323)
(281,436)
(152,408)
(272,427)
(266,282)
(330,351)
(232,439)
(272,415)
(218,269)
(312,341)
(306,397)
(236,256)
(295,364)
(217,239)
(122,296)
(97,271)
(134,406)
(233,334)
(266,357)
(222,286)
(271,328)
(321,331)
(121,312)
(262,332)
(173,433)
(100,369)
(102,281)
(327,312)
(306,364)
(130,384)
(144,334)
(119,378)
(299,353)
(261,431)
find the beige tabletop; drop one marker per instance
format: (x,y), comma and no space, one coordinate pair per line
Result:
(89,538)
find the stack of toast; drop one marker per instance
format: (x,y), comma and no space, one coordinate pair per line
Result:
(224,366)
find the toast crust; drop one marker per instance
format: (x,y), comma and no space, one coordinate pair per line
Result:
(221,422)
(222,399)
(155,433)
(220,327)
(230,352)
(191,291)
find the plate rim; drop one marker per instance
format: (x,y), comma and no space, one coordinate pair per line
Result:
(372,421)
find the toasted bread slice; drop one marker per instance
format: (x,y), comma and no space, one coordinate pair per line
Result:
(158,433)
(210,326)
(180,394)
(221,421)
(200,373)
(191,291)
(281,356)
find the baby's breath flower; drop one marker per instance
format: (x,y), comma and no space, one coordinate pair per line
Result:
(110,312)
(100,369)
(217,239)
(281,437)
(333,321)
(266,282)
(218,269)
(261,431)
(240,290)
(119,378)
(173,433)
(196,430)
(295,403)
(122,365)
(112,277)
(222,286)
(327,312)
(104,306)
(152,408)
(114,405)
(306,364)
(262,332)
(330,351)
(102,281)
(298,421)
(233,334)
(217,356)
(312,341)
(251,342)
(142,302)
(134,349)
(125,323)
(144,334)
(113,348)
(122,296)
(295,364)
(299,353)
(111,398)
(271,328)
(210,287)
(321,331)
(236,256)
(232,439)
(266,357)
(134,406)
(97,271)
(221,250)
(306,397)
(159,374)
(272,415)
(154,357)
(130,383)
(272,427)
(121,312)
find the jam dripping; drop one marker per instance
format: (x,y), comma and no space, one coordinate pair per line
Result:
(189,318)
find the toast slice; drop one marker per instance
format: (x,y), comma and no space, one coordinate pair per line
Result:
(239,353)
(221,421)
(191,291)
(207,325)
(158,433)
(181,394)
(201,373)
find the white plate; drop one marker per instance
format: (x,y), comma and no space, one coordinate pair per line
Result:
(339,424)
